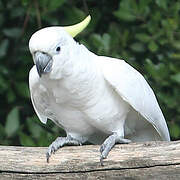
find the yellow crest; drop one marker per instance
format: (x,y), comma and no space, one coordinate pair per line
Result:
(77,28)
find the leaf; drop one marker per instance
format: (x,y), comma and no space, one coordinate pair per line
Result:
(23,89)
(12,122)
(151,68)
(162,3)
(176,78)
(163,41)
(24,2)
(125,15)
(127,10)
(33,127)
(11,97)
(138,47)
(153,47)
(3,47)
(55,4)
(144,6)
(176,44)
(159,72)
(12,32)
(106,42)
(143,37)
(175,55)
(3,84)
(26,140)
(17,12)
(167,99)
(175,130)
(75,15)
(96,40)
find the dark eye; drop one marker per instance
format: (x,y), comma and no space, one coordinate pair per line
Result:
(58,49)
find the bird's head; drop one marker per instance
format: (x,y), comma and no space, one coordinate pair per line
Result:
(50,47)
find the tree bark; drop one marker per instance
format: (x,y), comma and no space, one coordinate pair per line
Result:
(150,160)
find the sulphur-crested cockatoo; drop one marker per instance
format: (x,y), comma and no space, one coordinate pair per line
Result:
(93,98)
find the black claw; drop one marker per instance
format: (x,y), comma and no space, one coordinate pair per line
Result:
(47,157)
(101,160)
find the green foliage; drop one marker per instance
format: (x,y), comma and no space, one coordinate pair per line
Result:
(12,122)
(146,33)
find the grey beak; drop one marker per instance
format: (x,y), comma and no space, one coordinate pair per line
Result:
(43,62)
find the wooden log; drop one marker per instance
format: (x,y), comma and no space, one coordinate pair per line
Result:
(151,160)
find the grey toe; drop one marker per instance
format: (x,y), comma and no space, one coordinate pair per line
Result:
(109,144)
(60,142)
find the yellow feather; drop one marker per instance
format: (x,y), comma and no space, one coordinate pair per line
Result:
(77,28)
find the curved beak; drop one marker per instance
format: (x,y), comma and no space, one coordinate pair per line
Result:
(43,62)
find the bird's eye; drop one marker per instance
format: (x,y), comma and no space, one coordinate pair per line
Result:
(58,49)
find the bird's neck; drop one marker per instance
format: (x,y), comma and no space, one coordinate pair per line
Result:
(82,84)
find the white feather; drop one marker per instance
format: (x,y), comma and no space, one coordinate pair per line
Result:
(37,93)
(90,96)
(134,89)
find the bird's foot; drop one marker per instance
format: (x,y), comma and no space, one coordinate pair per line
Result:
(108,145)
(60,142)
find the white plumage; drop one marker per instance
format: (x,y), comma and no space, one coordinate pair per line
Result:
(91,97)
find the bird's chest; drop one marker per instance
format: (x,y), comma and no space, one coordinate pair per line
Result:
(80,108)
(104,110)
(65,109)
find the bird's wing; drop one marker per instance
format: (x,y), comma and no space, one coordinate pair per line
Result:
(38,93)
(134,89)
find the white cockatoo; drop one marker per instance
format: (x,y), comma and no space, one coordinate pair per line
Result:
(93,98)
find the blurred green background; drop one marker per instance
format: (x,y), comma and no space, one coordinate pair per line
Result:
(145,33)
